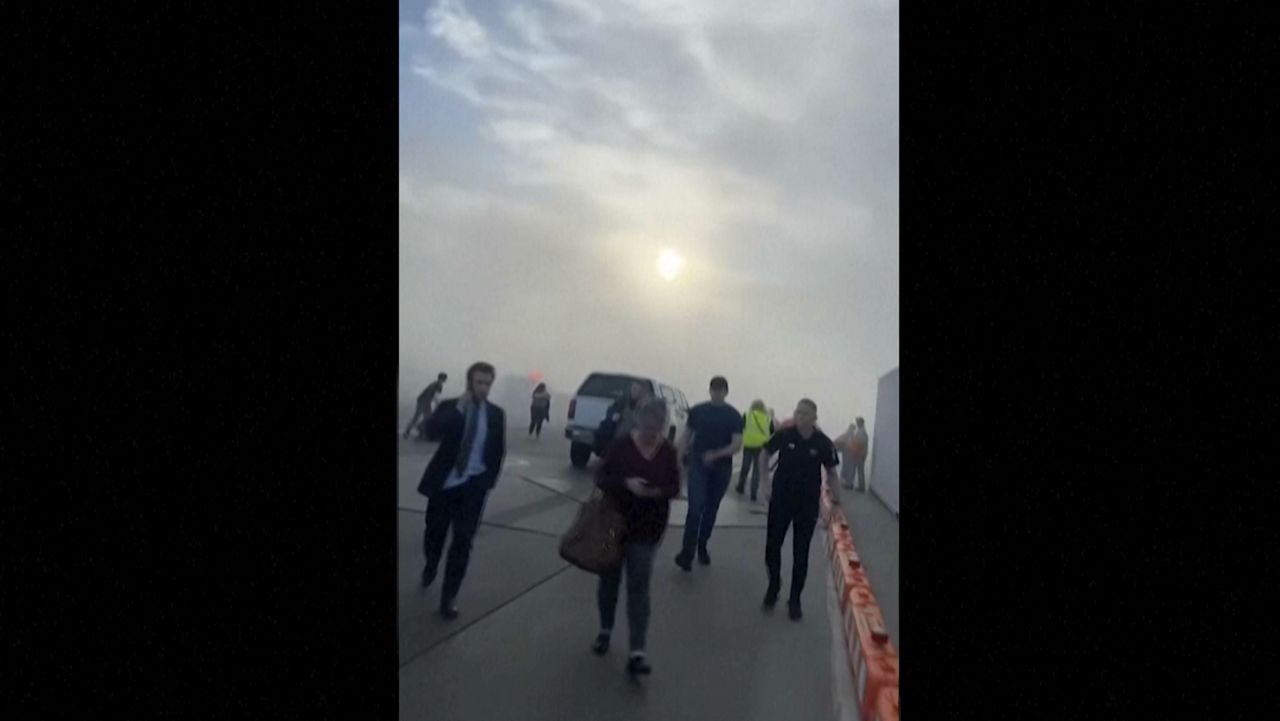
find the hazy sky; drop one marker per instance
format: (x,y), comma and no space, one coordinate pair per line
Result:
(550,151)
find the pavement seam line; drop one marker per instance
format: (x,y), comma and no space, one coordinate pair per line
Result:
(527,479)
(480,618)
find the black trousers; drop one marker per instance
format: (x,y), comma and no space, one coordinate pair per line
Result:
(784,512)
(536,417)
(461,508)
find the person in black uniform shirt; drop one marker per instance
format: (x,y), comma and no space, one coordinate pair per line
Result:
(797,487)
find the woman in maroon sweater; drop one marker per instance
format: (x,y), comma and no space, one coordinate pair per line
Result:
(640,476)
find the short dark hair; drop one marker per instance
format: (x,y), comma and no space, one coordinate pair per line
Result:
(442,376)
(807,402)
(480,367)
(861,421)
(719,382)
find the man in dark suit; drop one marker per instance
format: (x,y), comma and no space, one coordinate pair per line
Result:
(472,435)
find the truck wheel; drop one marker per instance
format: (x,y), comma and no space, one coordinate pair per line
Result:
(579,454)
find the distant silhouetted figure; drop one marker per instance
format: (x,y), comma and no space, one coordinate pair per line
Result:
(473,442)
(539,409)
(854,443)
(423,409)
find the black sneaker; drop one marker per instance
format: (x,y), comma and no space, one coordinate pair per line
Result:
(684,562)
(449,609)
(638,665)
(793,610)
(601,646)
(771,597)
(428,575)
(703,557)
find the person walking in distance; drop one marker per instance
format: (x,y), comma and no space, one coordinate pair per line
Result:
(855,457)
(465,467)
(641,476)
(422,409)
(803,451)
(711,438)
(539,409)
(842,442)
(756,429)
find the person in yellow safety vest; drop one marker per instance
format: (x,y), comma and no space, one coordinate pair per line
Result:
(757,426)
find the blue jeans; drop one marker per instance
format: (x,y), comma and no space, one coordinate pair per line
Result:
(638,560)
(706,489)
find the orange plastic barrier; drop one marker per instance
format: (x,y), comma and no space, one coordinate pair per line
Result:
(837,529)
(843,543)
(864,627)
(874,664)
(886,706)
(837,532)
(875,675)
(852,585)
(873,660)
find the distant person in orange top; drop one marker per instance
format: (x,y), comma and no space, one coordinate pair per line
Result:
(853,443)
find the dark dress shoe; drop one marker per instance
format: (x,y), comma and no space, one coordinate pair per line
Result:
(638,665)
(601,646)
(793,610)
(449,610)
(771,597)
(428,575)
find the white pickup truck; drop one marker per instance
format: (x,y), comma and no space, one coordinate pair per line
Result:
(597,393)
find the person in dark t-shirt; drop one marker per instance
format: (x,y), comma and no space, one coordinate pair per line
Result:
(712,436)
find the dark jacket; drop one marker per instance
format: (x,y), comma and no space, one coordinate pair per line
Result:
(646,517)
(446,425)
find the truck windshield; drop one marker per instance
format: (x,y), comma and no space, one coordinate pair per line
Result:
(601,385)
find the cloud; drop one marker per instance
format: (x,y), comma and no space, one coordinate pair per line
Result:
(450,21)
(758,138)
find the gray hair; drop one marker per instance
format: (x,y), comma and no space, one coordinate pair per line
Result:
(652,414)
